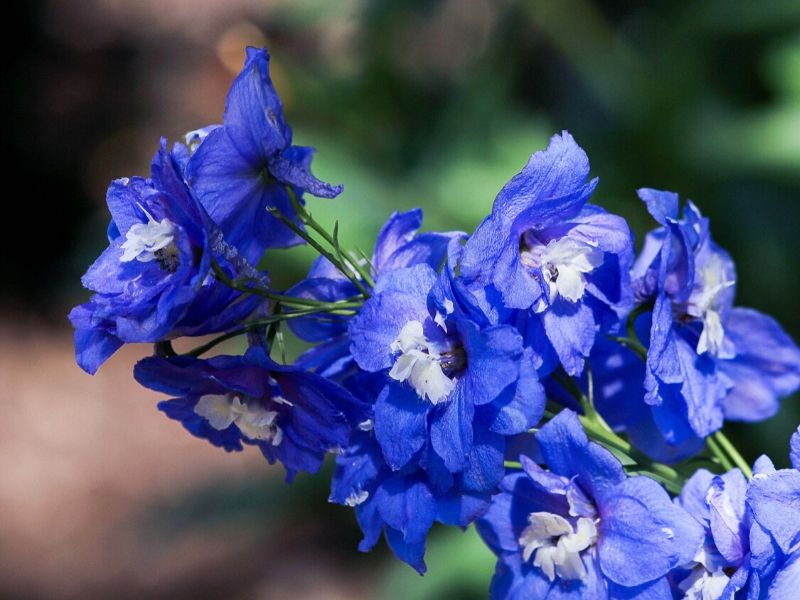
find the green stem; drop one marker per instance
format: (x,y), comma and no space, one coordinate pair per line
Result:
(258,324)
(733,453)
(282,298)
(718,453)
(347,272)
(343,261)
(632,344)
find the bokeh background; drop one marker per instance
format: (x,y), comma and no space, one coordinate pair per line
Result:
(432,103)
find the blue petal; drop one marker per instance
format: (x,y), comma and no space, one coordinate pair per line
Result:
(726,502)
(253,111)
(643,535)
(289,170)
(460,509)
(451,428)
(400,423)
(765,369)
(663,206)
(398,230)
(485,467)
(552,184)
(411,553)
(775,502)
(787,580)
(652,590)
(493,357)
(407,505)
(693,495)
(357,469)
(93,347)
(371,523)
(568,452)
(794,449)
(570,328)
(519,407)
(122,197)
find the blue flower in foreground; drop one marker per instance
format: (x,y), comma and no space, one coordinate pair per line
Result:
(707,360)
(583,529)
(450,388)
(402,505)
(242,168)
(398,245)
(544,249)
(722,563)
(293,416)
(451,376)
(752,542)
(153,281)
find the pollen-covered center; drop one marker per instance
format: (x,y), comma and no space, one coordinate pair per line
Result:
(150,241)
(563,262)
(253,420)
(556,546)
(427,365)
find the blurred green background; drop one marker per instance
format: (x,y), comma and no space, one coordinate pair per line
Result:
(432,103)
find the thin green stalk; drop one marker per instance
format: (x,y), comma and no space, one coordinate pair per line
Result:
(333,240)
(282,298)
(718,453)
(254,326)
(322,251)
(632,344)
(733,453)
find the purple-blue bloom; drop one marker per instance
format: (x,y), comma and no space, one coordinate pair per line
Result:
(583,529)
(243,168)
(752,542)
(451,375)
(400,505)
(291,415)
(448,388)
(707,360)
(153,281)
(544,250)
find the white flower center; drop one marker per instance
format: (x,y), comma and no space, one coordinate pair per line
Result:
(704,304)
(702,585)
(143,241)
(564,264)
(556,548)
(254,421)
(420,363)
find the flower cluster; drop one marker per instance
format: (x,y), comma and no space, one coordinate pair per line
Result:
(536,378)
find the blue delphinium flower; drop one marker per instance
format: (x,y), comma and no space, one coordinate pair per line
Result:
(153,281)
(449,371)
(241,169)
(707,360)
(717,502)
(397,246)
(773,499)
(448,388)
(583,529)
(291,415)
(402,505)
(751,547)
(544,250)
